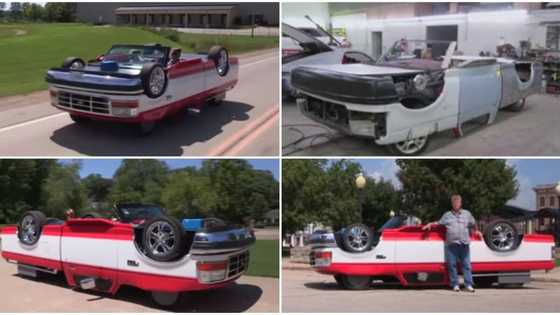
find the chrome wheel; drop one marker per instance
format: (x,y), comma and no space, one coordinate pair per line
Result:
(30,230)
(157,81)
(358,238)
(76,65)
(502,236)
(411,146)
(162,239)
(222,62)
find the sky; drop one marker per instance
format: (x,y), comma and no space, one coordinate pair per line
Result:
(107,167)
(530,172)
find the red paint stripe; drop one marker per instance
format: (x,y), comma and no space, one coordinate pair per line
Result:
(33,260)
(10,229)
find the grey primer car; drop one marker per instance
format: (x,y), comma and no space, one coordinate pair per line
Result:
(415,89)
(313,51)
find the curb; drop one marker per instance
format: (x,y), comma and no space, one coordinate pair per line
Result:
(542,279)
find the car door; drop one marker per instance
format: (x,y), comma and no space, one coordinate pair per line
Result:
(479,89)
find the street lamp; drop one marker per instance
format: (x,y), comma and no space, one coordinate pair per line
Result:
(360,182)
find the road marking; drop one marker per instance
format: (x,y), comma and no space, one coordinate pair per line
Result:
(239,136)
(252,136)
(31,122)
(34,121)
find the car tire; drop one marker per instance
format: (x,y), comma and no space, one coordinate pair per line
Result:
(356,282)
(163,238)
(165,299)
(501,236)
(357,238)
(154,80)
(517,106)
(78,119)
(410,147)
(30,227)
(485,282)
(146,128)
(220,56)
(73,63)
(339,282)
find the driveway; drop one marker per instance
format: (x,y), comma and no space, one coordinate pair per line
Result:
(50,293)
(307,291)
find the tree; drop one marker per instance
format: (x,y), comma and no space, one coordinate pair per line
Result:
(380,198)
(427,185)
(62,189)
(33,11)
(16,11)
(188,194)
(2,8)
(60,11)
(97,188)
(139,181)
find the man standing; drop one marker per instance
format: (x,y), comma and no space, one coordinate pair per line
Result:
(459,224)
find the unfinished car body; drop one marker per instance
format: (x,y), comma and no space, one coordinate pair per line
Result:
(416,89)
(144,249)
(401,251)
(141,84)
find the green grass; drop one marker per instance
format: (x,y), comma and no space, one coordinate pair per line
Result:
(28,50)
(264,259)
(557,262)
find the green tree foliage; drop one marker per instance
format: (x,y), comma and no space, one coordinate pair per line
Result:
(380,197)
(188,194)
(97,188)
(62,189)
(427,185)
(60,11)
(139,180)
(33,11)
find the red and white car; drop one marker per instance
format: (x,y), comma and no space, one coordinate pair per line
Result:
(141,84)
(356,256)
(139,247)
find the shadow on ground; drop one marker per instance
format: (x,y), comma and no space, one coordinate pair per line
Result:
(232,299)
(168,139)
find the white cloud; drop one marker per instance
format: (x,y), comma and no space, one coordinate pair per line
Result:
(387,171)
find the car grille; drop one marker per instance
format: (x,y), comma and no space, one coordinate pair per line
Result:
(238,264)
(83,102)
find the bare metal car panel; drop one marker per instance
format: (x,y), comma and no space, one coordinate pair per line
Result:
(479,92)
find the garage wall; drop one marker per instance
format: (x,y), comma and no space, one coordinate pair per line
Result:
(476,31)
(294,14)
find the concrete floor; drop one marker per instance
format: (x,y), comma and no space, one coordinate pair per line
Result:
(308,291)
(531,132)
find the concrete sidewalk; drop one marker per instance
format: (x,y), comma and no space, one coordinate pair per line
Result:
(550,276)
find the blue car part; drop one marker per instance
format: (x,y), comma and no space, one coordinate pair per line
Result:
(109,66)
(193,225)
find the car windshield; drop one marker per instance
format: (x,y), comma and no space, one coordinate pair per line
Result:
(392,223)
(134,212)
(137,54)
(406,49)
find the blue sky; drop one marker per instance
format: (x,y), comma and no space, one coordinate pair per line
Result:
(107,167)
(530,172)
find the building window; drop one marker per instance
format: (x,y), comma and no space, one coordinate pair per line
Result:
(542,201)
(553,37)
(552,201)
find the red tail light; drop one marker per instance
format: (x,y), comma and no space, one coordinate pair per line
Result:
(323,258)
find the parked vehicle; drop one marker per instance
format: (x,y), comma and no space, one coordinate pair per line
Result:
(398,252)
(415,89)
(139,246)
(141,84)
(299,48)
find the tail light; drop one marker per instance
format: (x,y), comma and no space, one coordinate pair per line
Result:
(323,259)
(212,271)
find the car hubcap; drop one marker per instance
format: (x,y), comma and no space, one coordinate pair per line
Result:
(76,65)
(411,146)
(157,80)
(357,238)
(161,238)
(222,62)
(29,229)
(502,236)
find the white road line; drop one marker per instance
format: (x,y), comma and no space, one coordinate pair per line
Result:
(34,121)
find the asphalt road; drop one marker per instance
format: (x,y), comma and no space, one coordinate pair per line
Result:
(245,124)
(531,132)
(51,294)
(307,291)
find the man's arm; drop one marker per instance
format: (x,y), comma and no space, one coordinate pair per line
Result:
(441,221)
(473,228)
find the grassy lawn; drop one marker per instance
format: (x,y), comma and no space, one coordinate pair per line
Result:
(557,262)
(264,259)
(28,50)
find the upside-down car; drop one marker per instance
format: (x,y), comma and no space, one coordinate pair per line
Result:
(139,246)
(141,84)
(415,89)
(400,251)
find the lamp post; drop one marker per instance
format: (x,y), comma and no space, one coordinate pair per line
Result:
(360,183)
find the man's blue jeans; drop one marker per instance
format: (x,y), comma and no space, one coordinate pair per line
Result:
(458,253)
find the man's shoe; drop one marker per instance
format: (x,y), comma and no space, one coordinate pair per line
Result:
(470,289)
(456,288)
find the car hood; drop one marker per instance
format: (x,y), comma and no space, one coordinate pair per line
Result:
(303,38)
(365,69)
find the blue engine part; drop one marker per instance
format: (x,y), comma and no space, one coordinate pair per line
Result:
(109,66)
(193,225)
